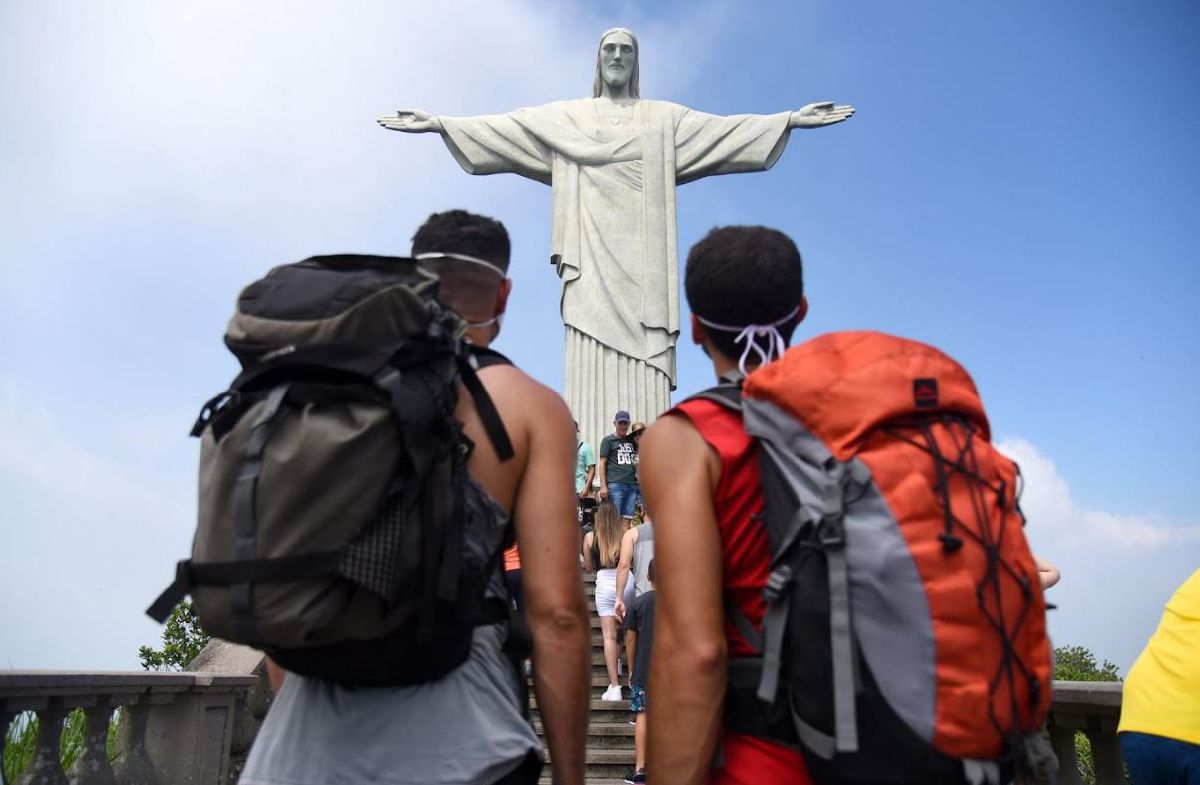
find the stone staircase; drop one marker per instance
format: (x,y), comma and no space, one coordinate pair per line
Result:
(610,736)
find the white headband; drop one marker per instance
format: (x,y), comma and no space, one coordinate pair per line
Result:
(462,257)
(751,333)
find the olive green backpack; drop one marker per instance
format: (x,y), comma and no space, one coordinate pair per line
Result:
(338,528)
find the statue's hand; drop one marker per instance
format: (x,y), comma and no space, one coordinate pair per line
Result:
(412,121)
(822,113)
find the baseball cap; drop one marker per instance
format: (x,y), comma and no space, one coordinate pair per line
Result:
(621,416)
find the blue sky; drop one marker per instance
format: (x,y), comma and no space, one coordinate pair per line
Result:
(1015,188)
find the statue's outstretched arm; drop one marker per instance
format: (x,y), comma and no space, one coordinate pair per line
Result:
(411,121)
(821,114)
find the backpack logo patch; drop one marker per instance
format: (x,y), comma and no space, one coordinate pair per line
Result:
(925,393)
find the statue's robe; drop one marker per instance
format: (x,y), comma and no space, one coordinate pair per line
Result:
(614,233)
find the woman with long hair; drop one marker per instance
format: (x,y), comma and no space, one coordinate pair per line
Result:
(601,552)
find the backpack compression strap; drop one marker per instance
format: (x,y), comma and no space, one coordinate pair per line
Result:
(729,395)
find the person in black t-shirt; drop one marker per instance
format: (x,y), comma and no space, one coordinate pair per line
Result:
(618,467)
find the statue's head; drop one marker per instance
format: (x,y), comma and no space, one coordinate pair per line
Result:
(617,63)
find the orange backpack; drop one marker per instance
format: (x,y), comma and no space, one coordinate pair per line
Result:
(905,635)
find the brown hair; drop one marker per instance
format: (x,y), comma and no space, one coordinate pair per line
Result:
(608,532)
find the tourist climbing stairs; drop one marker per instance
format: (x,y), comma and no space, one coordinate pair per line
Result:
(610,736)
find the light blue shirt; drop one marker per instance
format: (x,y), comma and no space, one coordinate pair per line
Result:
(585,458)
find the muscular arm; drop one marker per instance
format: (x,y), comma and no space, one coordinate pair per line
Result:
(554,603)
(687,669)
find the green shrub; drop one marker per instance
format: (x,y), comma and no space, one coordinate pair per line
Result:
(1077,663)
(182,639)
(21,741)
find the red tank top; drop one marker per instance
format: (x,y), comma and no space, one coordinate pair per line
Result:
(738,501)
(745,562)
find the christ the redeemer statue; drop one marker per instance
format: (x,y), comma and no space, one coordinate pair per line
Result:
(613,162)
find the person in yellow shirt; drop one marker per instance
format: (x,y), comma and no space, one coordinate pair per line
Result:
(1160,707)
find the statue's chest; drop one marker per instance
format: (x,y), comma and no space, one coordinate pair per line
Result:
(611,129)
(611,122)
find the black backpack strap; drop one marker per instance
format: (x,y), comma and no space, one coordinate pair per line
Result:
(741,622)
(245,545)
(726,394)
(486,358)
(476,358)
(282,568)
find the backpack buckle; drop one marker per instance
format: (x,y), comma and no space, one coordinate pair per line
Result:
(777,581)
(832,531)
(211,407)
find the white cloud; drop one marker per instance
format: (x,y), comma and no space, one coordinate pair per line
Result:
(1046,501)
(161,155)
(1118,568)
(231,106)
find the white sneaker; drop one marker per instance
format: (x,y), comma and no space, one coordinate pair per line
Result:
(613,693)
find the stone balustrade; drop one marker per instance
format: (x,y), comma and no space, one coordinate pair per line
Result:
(193,728)
(1093,708)
(173,728)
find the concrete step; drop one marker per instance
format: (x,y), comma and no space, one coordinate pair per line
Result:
(602,735)
(599,680)
(607,764)
(600,711)
(597,658)
(610,754)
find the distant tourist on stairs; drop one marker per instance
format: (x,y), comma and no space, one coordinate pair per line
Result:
(618,467)
(639,634)
(601,552)
(585,466)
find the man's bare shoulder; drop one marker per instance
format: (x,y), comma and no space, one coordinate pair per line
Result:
(538,425)
(670,433)
(673,444)
(509,384)
(529,408)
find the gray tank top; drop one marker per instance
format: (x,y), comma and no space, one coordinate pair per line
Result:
(466,728)
(643,552)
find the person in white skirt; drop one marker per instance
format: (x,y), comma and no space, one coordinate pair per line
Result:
(601,552)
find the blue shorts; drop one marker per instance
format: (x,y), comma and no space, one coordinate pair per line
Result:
(1160,760)
(624,495)
(637,698)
